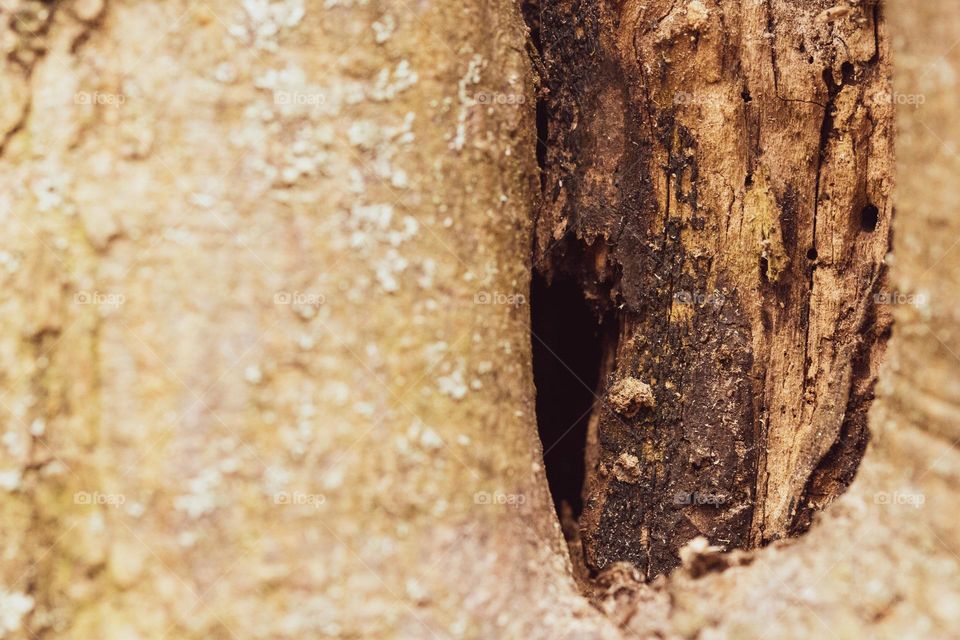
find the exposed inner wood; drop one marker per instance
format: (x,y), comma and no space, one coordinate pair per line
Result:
(717,175)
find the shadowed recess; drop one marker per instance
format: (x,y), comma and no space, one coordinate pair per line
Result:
(567,352)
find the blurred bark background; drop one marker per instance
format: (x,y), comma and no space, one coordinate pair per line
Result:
(265,349)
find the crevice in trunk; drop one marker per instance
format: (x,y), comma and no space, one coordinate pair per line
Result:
(679,279)
(570,344)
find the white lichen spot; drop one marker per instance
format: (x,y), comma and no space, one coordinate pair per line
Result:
(363,133)
(435,351)
(383,28)
(202,200)
(368,220)
(14,606)
(453,385)
(229,466)
(225,73)
(201,498)
(416,592)
(15,444)
(180,236)
(187,539)
(409,228)
(9,262)
(253,374)
(48,191)
(383,143)
(135,509)
(356,181)
(53,469)
(389,85)
(263,21)
(38,427)
(332,4)
(10,479)
(303,158)
(467,101)
(365,409)
(333,479)
(429,439)
(305,311)
(275,479)
(398,178)
(388,268)
(338,392)
(428,269)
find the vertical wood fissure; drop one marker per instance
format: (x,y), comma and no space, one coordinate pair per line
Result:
(692,150)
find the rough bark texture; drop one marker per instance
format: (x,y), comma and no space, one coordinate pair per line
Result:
(256,381)
(882,562)
(707,166)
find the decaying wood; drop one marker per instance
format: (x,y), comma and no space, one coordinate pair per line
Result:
(707,166)
(882,561)
(255,381)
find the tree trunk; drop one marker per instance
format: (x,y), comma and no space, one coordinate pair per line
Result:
(259,379)
(266,346)
(717,180)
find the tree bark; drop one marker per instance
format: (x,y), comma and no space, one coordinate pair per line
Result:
(257,378)
(707,169)
(265,352)
(882,561)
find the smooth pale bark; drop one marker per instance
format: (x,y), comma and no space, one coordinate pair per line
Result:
(259,378)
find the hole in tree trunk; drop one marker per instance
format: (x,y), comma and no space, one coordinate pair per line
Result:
(567,359)
(698,463)
(869,216)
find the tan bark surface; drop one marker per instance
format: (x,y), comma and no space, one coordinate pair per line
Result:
(251,384)
(261,374)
